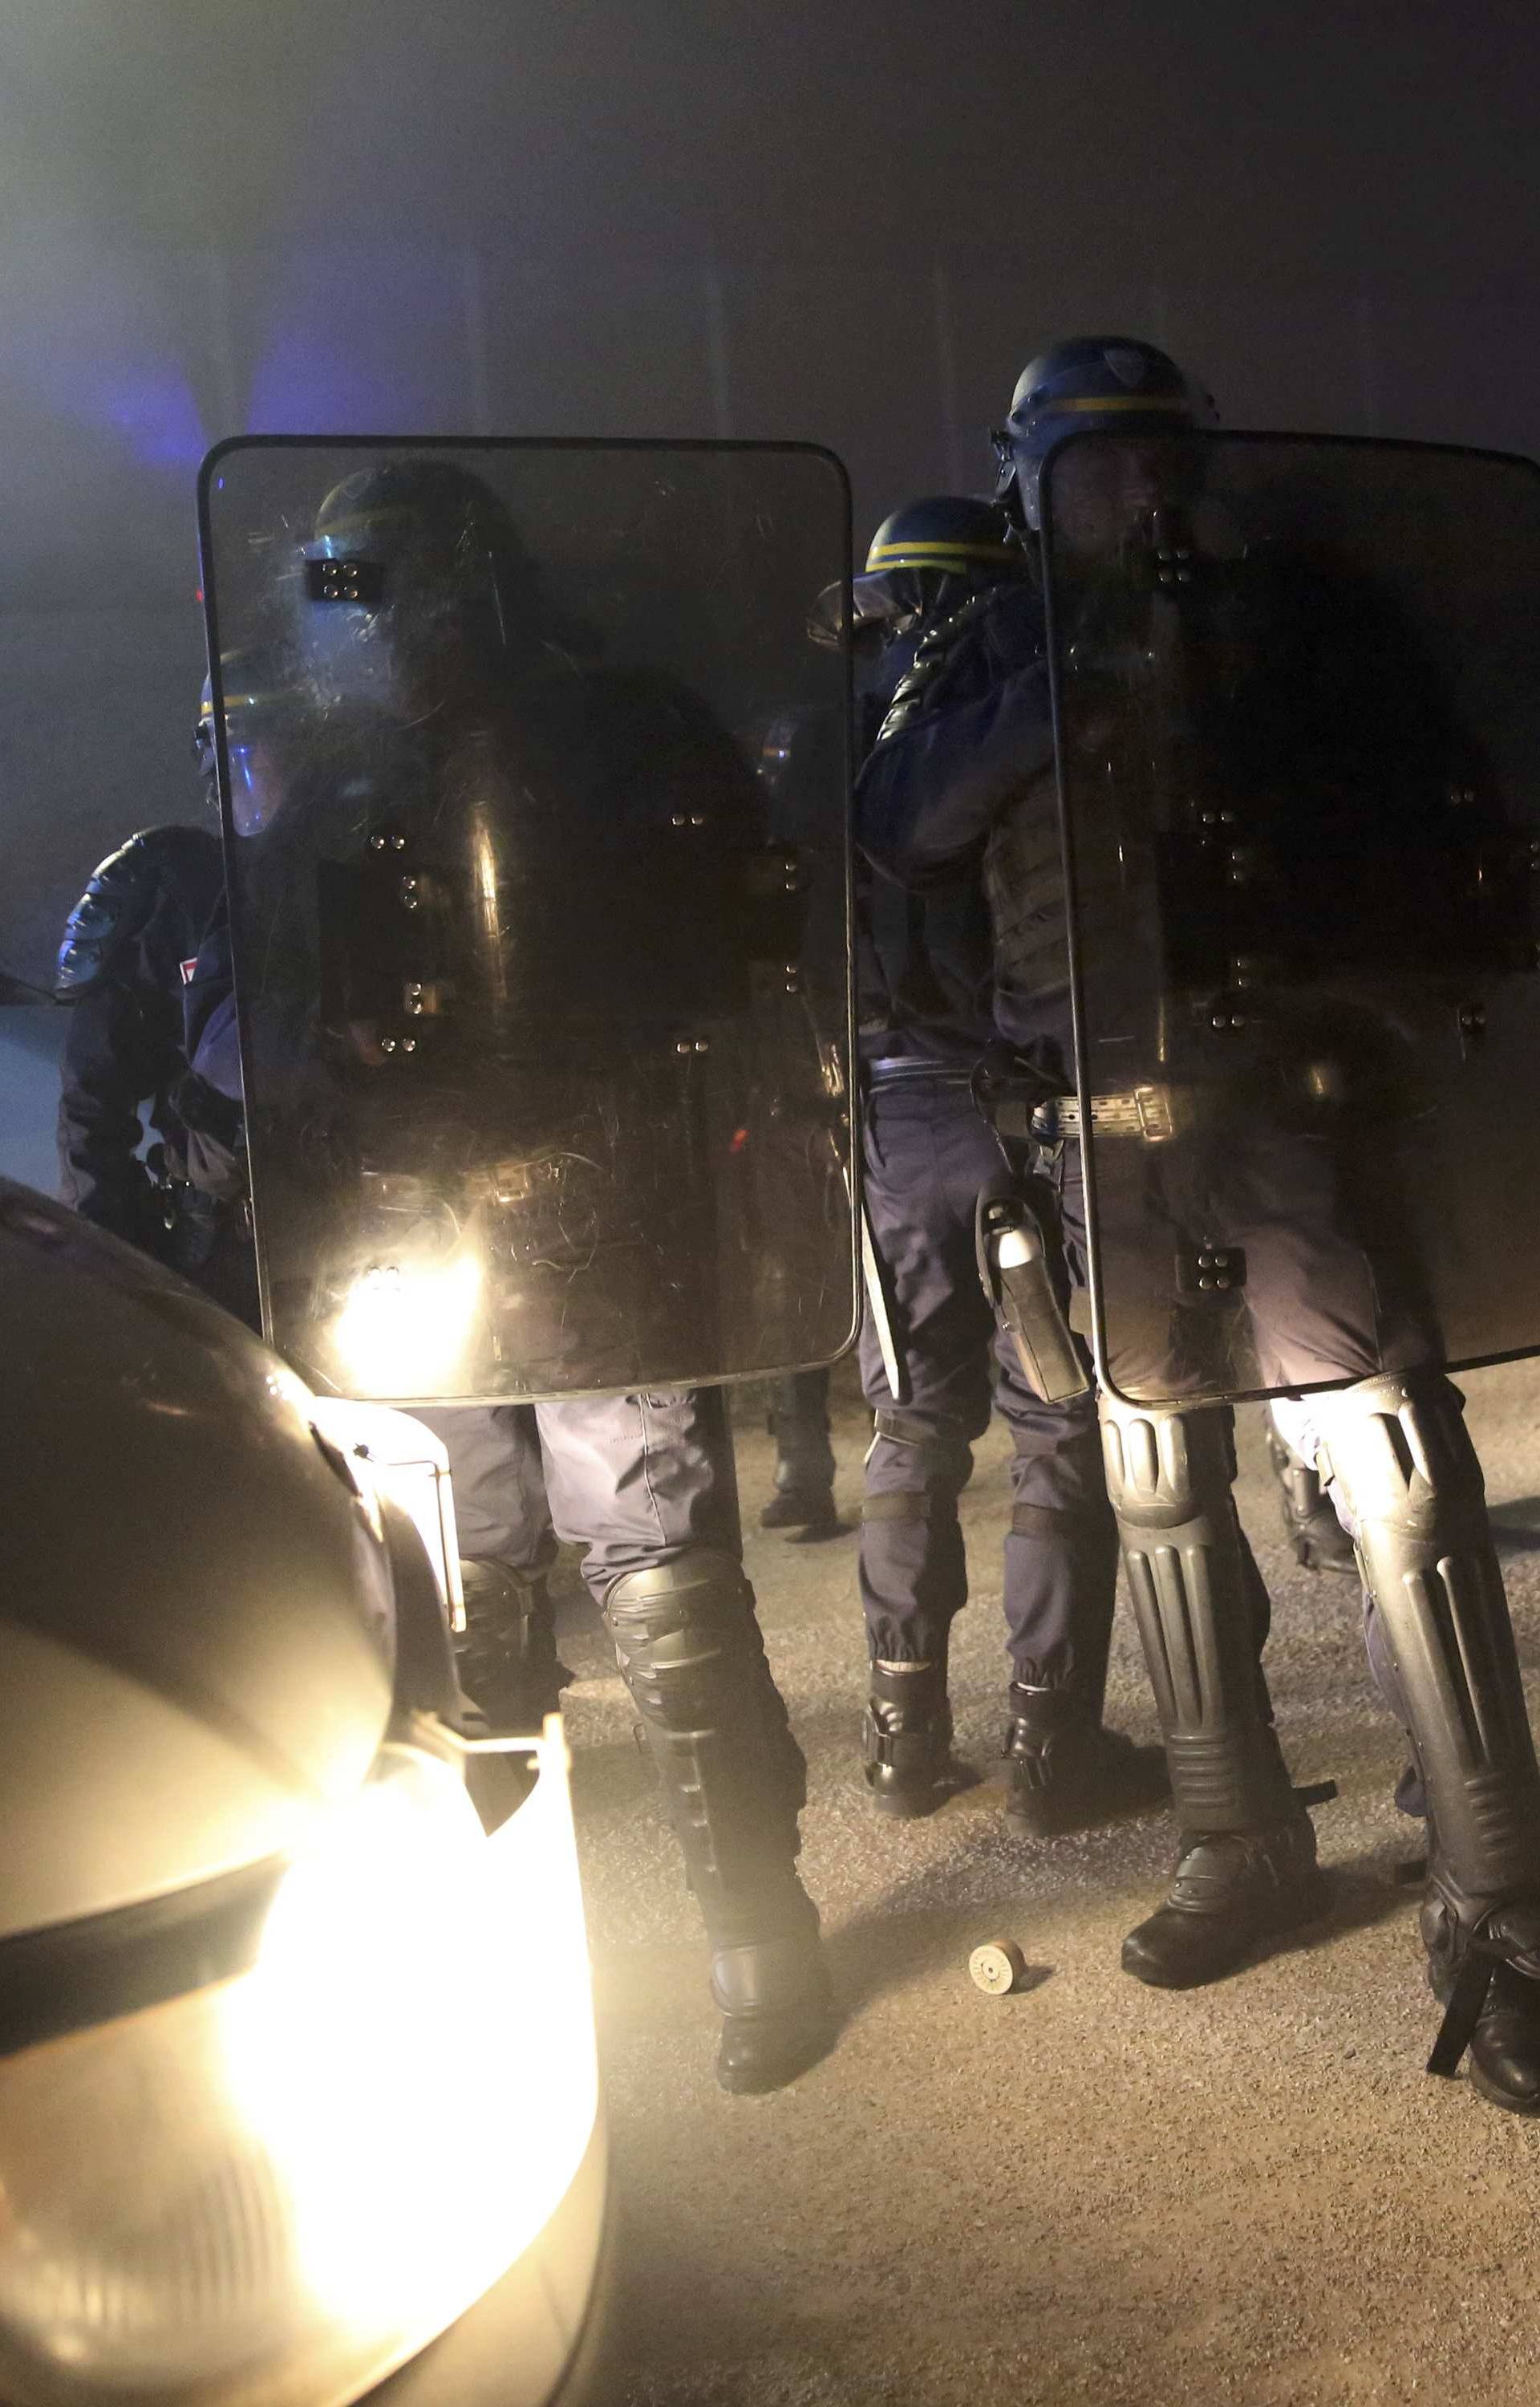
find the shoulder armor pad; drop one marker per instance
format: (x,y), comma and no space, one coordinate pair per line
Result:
(121,895)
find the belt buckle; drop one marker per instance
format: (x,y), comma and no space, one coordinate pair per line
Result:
(1156,1119)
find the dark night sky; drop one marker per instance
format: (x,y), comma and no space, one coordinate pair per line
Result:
(847,222)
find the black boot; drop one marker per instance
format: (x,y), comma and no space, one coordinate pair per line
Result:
(1231,1891)
(1066,1771)
(798,1504)
(1484,1968)
(804,1458)
(507,1656)
(1319,1540)
(905,1739)
(773,1990)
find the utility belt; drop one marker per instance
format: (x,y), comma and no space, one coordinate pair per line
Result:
(911,1070)
(1153,1114)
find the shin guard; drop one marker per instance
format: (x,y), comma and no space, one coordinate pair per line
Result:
(1170,1475)
(1401,1457)
(690,1652)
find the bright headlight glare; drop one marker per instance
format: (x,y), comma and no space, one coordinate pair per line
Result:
(404,1326)
(271,2192)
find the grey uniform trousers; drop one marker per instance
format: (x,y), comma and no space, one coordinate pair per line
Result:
(634,1479)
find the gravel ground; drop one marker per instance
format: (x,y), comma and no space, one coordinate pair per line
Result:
(1088,2190)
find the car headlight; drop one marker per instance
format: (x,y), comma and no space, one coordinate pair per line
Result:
(270,2190)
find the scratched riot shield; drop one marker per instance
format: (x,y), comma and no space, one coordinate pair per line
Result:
(1298,698)
(543,998)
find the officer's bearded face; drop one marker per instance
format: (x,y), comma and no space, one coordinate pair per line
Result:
(1105,495)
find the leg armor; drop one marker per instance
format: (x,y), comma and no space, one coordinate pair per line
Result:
(1170,1475)
(1247,1865)
(507,1655)
(690,1652)
(1402,1459)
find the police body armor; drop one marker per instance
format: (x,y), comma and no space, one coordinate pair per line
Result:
(1298,762)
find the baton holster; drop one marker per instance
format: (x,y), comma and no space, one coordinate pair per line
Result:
(1016,1271)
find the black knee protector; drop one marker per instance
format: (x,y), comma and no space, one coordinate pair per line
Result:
(1401,1454)
(506,1654)
(1170,1475)
(691,1654)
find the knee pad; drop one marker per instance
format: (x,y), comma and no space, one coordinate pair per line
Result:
(1164,1466)
(679,1626)
(691,1654)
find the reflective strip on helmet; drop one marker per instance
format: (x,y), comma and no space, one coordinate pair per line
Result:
(1148,405)
(927,555)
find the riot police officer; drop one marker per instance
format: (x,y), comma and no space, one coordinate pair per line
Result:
(1306,698)
(143,952)
(426,659)
(965,754)
(936,1355)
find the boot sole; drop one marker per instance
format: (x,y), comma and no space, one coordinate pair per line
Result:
(1314,1916)
(817,1521)
(1096,1813)
(897,1807)
(815,2036)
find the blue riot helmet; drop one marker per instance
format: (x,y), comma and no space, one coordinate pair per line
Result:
(415,588)
(929,559)
(1110,383)
(917,547)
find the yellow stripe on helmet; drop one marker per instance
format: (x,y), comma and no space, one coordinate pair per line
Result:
(1149,404)
(926,555)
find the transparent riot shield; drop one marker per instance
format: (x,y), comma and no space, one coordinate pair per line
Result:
(1297,711)
(543,985)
